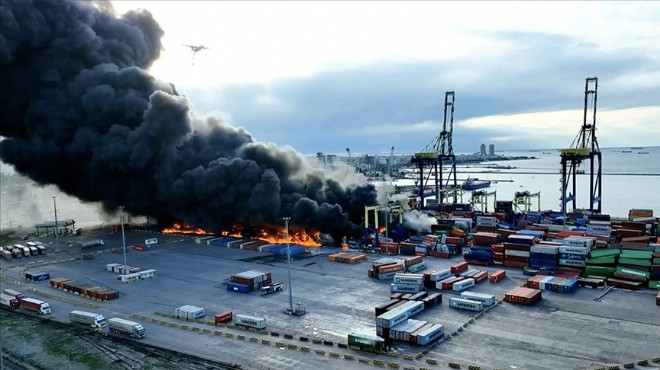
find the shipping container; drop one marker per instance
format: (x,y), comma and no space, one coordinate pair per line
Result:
(409,278)
(458,268)
(237,287)
(437,275)
(366,341)
(189,312)
(405,288)
(465,304)
(9,301)
(497,276)
(463,284)
(394,317)
(429,335)
(382,308)
(250,321)
(486,299)
(222,317)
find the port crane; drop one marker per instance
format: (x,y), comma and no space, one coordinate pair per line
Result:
(393,209)
(522,201)
(479,200)
(584,147)
(442,152)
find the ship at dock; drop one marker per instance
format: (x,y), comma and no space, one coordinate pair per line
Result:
(475,183)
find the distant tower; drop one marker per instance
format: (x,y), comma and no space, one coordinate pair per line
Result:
(491,150)
(483,150)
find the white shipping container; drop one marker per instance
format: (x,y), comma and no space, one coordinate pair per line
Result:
(189,312)
(408,278)
(111,266)
(513,252)
(427,336)
(405,288)
(250,321)
(545,249)
(574,263)
(463,284)
(468,272)
(465,304)
(417,267)
(439,275)
(574,250)
(486,299)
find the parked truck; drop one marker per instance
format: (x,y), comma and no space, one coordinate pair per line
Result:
(272,288)
(92,243)
(118,325)
(9,301)
(35,305)
(94,320)
(16,294)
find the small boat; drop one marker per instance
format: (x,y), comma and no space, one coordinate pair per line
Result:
(475,183)
(626,151)
(642,152)
(547,153)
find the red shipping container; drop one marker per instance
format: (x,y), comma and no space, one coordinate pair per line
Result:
(499,248)
(454,240)
(459,267)
(383,269)
(480,276)
(222,316)
(497,276)
(449,283)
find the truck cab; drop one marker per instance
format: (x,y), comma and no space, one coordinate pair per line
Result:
(272,288)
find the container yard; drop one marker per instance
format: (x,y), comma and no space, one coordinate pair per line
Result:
(412,318)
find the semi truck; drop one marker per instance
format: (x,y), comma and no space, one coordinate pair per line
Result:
(35,305)
(94,320)
(9,301)
(118,325)
(16,294)
(92,243)
(272,288)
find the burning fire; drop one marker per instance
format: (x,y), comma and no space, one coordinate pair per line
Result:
(270,235)
(179,229)
(381,229)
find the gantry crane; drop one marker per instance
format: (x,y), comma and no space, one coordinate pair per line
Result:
(522,201)
(393,210)
(479,200)
(584,146)
(441,153)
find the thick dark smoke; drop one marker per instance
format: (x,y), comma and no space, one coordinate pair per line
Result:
(79,110)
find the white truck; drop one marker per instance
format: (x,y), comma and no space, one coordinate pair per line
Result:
(92,243)
(118,325)
(35,305)
(9,301)
(94,320)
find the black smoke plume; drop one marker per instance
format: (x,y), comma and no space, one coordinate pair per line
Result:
(79,110)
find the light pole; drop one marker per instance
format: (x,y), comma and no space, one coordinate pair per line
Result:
(288,259)
(57,235)
(123,238)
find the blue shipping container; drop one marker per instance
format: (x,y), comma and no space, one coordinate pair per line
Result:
(236,287)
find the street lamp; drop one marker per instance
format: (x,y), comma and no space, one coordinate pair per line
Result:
(288,259)
(57,235)
(123,238)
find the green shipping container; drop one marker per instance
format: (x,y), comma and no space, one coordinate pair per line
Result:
(607,260)
(596,253)
(366,341)
(654,284)
(635,262)
(601,271)
(630,271)
(629,253)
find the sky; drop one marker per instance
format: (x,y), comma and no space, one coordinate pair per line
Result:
(326,76)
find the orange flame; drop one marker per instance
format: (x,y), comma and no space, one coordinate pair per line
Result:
(381,229)
(270,235)
(180,229)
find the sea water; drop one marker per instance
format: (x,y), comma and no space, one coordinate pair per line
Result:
(630,179)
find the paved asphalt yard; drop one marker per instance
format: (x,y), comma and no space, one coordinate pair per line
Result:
(563,331)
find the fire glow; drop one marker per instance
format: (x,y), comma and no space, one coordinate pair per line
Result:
(270,235)
(180,229)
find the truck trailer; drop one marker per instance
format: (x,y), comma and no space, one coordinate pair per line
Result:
(94,320)
(16,294)
(118,325)
(35,305)
(9,301)
(92,243)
